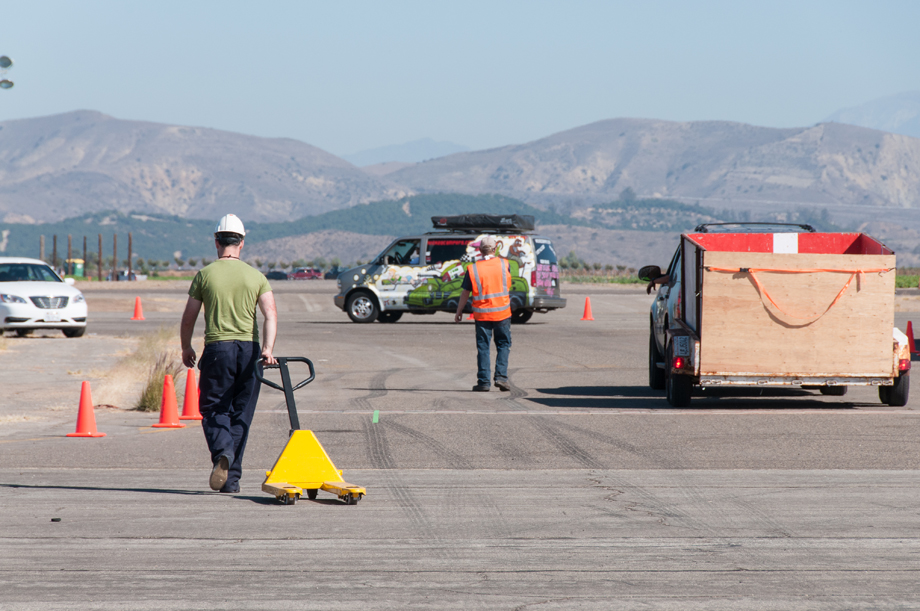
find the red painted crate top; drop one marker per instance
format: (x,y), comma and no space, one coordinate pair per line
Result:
(814,243)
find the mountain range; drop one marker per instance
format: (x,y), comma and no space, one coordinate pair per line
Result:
(898,114)
(66,165)
(80,162)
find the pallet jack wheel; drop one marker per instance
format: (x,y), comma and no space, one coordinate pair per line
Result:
(351,499)
(289,499)
(311,493)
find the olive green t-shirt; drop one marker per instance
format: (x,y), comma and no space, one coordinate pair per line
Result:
(230,290)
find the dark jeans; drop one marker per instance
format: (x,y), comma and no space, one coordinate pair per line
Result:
(484,331)
(229,393)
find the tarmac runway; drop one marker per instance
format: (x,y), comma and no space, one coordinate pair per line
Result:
(580,489)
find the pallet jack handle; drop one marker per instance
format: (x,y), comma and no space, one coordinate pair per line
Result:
(286,387)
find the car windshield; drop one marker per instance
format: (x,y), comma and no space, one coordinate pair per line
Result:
(27,272)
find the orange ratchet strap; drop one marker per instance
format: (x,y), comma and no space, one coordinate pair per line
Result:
(752,272)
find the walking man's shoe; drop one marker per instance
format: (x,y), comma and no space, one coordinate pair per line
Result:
(231,488)
(481,388)
(503,384)
(219,472)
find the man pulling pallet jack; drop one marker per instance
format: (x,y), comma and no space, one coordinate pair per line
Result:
(231,376)
(230,291)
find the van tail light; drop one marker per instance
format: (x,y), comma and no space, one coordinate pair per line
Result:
(903,364)
(533,278)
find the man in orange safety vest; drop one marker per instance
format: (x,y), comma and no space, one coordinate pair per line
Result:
(489,283)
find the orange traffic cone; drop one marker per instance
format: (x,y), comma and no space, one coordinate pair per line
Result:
(138,310)
(587,315)
(86,418)
(471,317)
(190,405)
(910,338)
(169,410)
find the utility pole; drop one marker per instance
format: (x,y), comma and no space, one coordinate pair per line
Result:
(41,248)
(54,252)
(69,255)
(100,258)
(114,257)
(85,260)
(130,245)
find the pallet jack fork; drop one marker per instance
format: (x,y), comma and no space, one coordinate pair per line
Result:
(304,464)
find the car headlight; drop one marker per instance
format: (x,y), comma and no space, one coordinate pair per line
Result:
(4,298)
(78,299)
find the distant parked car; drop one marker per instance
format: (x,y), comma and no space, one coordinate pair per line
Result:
(33,296)
(333,273)
(306,273)
(122,276)
(277,275)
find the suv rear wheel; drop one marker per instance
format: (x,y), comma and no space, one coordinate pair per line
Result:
(520,316)
(389,316)
(362,307)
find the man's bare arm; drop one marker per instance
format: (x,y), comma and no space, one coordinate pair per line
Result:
(187,328)
(464,297)
(270,328)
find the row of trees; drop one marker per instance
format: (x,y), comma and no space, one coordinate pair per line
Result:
(572,264)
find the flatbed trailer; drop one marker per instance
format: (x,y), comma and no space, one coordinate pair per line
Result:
(781,309)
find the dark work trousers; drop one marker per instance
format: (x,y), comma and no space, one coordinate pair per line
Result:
(484,332)
(229,393)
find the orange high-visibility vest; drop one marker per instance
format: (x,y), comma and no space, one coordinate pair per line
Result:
(491,282)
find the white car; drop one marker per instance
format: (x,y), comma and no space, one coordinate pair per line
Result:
(33,297)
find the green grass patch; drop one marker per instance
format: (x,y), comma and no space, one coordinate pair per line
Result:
(907,281)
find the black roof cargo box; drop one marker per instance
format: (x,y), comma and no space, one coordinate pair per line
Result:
(485,222)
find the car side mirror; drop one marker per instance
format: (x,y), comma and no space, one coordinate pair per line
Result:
(649,273)
(69,281)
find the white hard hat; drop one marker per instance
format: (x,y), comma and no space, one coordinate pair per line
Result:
(488,241)
(230,223)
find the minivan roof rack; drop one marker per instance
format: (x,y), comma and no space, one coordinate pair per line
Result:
(506,223)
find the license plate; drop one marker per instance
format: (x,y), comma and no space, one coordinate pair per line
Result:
(52,317)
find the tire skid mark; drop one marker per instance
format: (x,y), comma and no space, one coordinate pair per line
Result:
(378,448)
(381,458)
(455,460)
(567,446)
(692,492)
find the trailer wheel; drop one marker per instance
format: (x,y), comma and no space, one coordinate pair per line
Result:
(896,395)
(834,391)
(656,379)
(679,388)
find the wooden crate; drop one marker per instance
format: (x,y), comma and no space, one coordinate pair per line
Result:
(743,333)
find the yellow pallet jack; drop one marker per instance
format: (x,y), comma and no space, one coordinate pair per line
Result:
(304,464)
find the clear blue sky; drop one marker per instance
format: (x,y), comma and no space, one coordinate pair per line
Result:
(347,76)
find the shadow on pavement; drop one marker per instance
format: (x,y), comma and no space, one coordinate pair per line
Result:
(110,489)
(642,397)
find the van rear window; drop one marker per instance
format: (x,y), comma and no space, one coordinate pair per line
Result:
(445,249)
(543,252)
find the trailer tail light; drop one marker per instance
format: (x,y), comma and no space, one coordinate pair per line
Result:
(903,364)
(679,362)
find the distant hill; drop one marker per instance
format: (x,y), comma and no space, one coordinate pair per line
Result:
(410,152)
(898,114)
(81,162)
(714,162)
(161,236)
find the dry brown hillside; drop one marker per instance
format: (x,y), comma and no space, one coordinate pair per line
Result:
(714,162)
(66,165)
